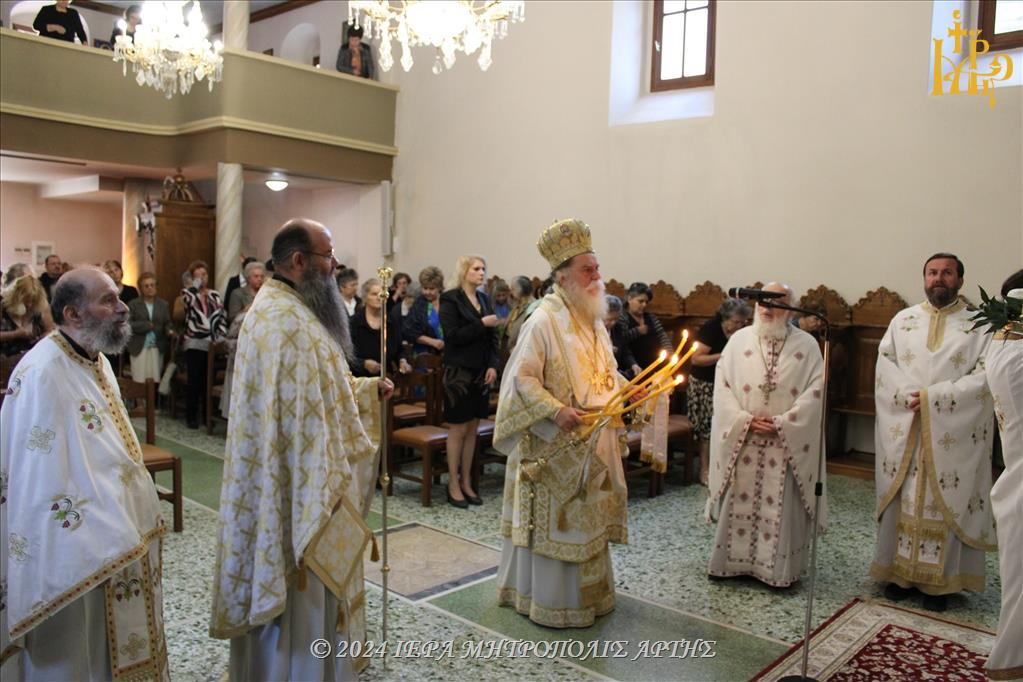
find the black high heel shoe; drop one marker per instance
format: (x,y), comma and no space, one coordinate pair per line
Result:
(461,504)
(472,499)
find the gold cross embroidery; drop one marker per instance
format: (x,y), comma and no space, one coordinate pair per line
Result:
(896,432)
(947,441)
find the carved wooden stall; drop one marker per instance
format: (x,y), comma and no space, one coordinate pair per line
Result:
(869,319)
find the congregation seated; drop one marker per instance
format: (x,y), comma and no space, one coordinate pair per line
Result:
(423,328)
(627,365)
(242,297)
(126,292)
(399,287)
(520,291)
(15,271)
(348,284)
(151,331)
(25,317)
(365,329)
(640,330)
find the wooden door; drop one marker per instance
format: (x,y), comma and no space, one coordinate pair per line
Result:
(184,232)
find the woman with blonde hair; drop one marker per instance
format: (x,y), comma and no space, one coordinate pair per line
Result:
(470,368)
(25,316)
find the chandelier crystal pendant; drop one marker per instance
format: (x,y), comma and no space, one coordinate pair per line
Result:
(450,26)
(170,50)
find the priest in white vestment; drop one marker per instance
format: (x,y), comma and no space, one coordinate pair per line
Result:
(932,438)
(1004,371)
(564,500)
(299,471)
(79,515)
(764,449)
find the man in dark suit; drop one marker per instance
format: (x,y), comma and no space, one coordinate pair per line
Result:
(150,331)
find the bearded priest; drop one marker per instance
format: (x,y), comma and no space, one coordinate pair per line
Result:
(764,447)
(81,564)
(933,437)
(564,500)
(298,476)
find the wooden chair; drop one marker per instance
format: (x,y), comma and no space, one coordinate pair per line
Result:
(156,458)
(408,408)
(216,375)
(427,440)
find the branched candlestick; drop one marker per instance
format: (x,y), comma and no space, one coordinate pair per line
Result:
(384,273)
(650,381)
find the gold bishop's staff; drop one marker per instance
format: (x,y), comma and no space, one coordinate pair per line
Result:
(384,273)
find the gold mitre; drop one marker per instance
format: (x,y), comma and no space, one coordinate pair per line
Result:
(563,240)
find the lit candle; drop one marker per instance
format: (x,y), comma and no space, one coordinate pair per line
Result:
(635,380)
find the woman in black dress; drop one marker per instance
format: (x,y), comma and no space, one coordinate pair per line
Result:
(470,368)
(641,331)
(366,335)
(712,337)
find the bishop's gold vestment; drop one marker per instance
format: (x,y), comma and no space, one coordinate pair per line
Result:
(564,500)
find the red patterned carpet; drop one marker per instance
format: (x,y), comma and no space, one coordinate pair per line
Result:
(878,641)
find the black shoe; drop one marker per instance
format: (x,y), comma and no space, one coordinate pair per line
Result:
(472,499)
(461,504)
(895,593)
(936,603)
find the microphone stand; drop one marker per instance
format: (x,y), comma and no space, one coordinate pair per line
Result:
(818,488)
(384,273)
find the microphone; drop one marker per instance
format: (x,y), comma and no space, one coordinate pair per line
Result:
(754,294)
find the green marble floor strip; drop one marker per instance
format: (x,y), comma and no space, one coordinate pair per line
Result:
(201,473)
(735,654)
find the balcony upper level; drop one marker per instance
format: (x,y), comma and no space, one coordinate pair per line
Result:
(61,99)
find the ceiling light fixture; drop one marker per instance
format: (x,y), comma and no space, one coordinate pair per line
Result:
(170,51)
(448,25)
(276,182)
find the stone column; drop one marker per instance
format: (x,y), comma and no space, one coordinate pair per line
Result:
(229,222)
(236,24)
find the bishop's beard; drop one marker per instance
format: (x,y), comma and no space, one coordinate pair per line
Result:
(776,328)
(588,301)
(321,294)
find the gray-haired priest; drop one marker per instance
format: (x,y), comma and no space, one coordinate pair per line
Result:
(764,447)
(564,501)
(80,520)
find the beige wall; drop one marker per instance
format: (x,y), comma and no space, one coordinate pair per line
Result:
(825,161)
(83,231)
(351,212)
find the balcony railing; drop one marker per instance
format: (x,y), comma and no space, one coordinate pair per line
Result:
(265,111)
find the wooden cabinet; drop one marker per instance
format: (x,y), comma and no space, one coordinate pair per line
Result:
(184,232)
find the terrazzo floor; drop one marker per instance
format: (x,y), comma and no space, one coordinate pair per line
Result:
(660,576)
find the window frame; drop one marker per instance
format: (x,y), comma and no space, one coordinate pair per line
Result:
(657,84)
(986,23)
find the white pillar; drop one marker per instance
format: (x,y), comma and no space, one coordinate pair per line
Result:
(236,24)
(229,222)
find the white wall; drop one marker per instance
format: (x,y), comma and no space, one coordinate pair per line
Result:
(84,232)
(351,212)
(825,161)
(327,16)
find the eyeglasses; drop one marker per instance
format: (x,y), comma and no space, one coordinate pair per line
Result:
(329,255)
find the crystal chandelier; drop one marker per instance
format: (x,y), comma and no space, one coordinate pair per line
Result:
(448,25)
(169,51)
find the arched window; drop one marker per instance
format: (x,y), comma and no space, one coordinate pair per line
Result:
(683,45)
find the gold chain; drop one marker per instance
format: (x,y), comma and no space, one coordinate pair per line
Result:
(598,379)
